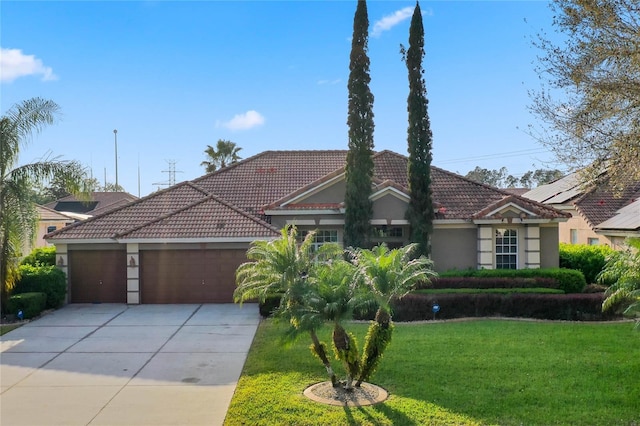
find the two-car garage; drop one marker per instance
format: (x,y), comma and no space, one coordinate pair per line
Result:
(163,276)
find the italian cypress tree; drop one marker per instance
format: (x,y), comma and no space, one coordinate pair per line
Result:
(359,167)
(420,211)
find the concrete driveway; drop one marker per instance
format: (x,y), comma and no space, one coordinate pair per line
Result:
(113,364)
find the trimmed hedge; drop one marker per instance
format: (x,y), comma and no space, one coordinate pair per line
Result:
(42,256)
(586,258)
(568,280)
(569,307)
(31,304)
(45,279)
(493,282)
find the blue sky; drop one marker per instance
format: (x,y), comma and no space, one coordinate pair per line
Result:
(172,77)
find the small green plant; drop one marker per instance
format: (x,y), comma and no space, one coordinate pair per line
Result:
(623,268)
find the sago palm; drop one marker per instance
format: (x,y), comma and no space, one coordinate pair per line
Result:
(18,216)
(388,274)
(623,269)
(282,267)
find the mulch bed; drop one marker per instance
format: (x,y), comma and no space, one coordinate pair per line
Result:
(366,394)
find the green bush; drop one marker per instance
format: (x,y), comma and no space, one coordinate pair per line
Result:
(568,280)
(42,256)
(46,279)
(31,304)
(586,258)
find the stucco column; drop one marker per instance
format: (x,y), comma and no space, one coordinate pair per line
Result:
(531,247)
(485,247)
(62,262)
(133,274)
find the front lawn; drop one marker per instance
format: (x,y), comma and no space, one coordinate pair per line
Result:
(472,372)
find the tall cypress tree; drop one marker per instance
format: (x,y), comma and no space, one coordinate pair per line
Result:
(359,168)
(420,212)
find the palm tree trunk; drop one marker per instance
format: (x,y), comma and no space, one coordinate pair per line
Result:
(319,350)
(378,338)
(347,353)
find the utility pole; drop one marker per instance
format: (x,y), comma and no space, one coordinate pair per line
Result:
(115,135)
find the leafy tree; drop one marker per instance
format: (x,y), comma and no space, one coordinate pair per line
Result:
(420,211)
(282,266)
(501,179)
(359,167)
(591,89)
(18,216)
(623,269)
(225,153)
(111,187)
(388,274)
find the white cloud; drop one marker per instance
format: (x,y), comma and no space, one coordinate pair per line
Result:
(329,82)
(390,21)
(15,64)
(244,121)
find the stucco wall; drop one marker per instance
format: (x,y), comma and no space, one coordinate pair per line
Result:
(331,194)
(454,248)
(583,229)
(389,207)
(549,247)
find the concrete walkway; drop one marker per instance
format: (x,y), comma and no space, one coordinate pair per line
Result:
(114,364)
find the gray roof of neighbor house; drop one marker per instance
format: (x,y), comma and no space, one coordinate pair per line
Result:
(627,219)
(98,203)
(230,202)
(597,204)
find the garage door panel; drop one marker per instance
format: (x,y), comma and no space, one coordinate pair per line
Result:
(189,276)
(98,276)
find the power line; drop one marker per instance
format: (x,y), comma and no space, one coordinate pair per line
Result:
(519,153)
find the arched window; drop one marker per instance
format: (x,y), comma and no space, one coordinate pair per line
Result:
(506,249)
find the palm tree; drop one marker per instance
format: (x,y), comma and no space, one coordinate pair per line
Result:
(623,269)
(18,215)
(225,153)
(282,267)
(332,296)
(388,274)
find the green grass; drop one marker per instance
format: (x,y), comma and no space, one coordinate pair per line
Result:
(537,290)
(5,328)
(458,373)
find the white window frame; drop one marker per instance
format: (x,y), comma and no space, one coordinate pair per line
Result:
(506,249)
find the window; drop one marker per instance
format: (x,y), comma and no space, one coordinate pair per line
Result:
(384,231)
(574,236)
(506,249)
(593,241)
(51,228)
(322,237)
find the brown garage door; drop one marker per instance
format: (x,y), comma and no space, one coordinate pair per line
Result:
(189,276)
(98,276)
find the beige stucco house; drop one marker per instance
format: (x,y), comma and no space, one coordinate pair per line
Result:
(598,215)
(183,244)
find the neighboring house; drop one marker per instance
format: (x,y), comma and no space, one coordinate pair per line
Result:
(97,204)
(183,244)
(60,213)
(598,216)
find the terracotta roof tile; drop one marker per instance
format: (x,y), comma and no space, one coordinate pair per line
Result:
(229,202)
(600,203)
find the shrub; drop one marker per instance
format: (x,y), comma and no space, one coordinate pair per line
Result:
(594,288)
(493,282)
(42,256)
(586,258)
(46,279)
(582,307)
(31,304)
(270,304)
(568,280)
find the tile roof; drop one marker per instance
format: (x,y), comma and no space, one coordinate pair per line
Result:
(627,218)
(229,202)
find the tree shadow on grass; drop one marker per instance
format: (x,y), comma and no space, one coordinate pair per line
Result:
(397,417)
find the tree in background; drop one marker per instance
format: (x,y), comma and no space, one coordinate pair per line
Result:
(591,92)
(420,211)
(225,153)
(359,167)
(502,179)
(18,216)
